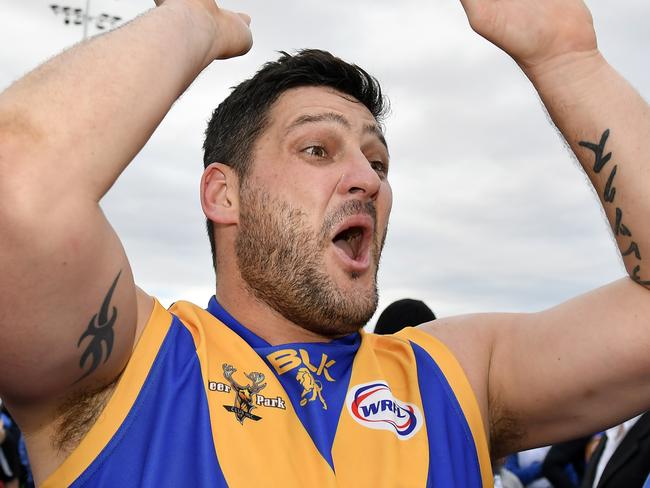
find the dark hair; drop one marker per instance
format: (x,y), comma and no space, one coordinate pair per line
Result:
(240,119)
(403,313)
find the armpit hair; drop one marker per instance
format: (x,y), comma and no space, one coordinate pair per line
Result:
(78,413)
(506,431)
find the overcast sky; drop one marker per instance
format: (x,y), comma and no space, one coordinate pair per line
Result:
(491,212)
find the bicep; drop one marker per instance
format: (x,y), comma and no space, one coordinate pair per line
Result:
(68,306)
(574,369)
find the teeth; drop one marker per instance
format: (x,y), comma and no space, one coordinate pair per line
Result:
(352,234)
(350,241)
(355,241)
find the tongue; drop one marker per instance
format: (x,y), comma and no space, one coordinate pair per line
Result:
(345,246)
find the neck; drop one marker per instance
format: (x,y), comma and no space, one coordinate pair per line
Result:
(261,319)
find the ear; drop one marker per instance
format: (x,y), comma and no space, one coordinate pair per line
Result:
(220,194)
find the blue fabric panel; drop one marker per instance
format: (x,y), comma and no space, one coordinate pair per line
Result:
(166,439)
(252,339)
(321,424)
(452,453)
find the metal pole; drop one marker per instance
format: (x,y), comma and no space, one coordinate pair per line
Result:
(86,16)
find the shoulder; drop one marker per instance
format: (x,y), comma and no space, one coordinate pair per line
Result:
(469,342)
(445,390)
(439,357)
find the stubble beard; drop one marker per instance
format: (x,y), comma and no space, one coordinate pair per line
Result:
(281,260)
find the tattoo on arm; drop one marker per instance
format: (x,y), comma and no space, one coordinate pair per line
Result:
(609,195)
(619,227)
(599,149)
(610,191)
(633,249)
(100,332)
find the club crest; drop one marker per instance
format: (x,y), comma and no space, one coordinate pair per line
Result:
(244,394)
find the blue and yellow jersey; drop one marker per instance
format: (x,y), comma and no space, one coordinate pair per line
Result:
(205,402)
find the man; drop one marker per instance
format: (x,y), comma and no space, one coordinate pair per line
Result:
(111,389)
(622,457)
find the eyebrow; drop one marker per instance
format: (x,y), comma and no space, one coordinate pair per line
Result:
(339,119)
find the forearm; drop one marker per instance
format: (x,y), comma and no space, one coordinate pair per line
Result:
(71,126)
(607,124)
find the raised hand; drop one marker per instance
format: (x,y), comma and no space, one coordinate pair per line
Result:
(533,32)
(232,34)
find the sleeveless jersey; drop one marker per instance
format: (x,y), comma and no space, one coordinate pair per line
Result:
(204,402)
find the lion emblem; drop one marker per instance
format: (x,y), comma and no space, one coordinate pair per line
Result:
(311,387)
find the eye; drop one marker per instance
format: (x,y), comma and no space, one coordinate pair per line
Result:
(316,151)
(379,167)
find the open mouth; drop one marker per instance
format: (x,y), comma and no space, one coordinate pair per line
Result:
(350,241)
(353,239)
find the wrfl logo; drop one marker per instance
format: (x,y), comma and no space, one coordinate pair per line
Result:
(374,406)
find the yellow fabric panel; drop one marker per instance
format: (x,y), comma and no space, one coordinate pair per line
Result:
(462,389)
(289,453)
(120,403)
(405,460)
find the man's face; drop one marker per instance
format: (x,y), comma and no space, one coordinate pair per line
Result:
(314,210)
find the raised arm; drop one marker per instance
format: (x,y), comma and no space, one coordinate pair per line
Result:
(584,365)
(69,310)
(605,121)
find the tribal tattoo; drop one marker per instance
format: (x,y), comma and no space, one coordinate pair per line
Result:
(609,195)
(100,330)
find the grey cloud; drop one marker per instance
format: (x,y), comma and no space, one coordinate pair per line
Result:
(490,211)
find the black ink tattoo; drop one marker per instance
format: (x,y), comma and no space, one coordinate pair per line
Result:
(610,191)
(634,249)
(598,150)
(100,330)
(609,194)
(619,226)
(637,278)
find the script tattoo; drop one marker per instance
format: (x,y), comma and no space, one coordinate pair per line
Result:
(633,249)
(609,195)
(619,227)
(100,330)
(610,191)
(599,149)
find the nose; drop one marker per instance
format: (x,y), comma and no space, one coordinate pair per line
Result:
(359,178)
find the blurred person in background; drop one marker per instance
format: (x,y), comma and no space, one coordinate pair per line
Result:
(503,477)
(406,312)
(622,456)
(564,465)
(10,467)
(527,467)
